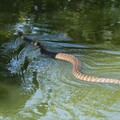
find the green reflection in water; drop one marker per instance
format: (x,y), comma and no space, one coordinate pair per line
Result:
(37,87)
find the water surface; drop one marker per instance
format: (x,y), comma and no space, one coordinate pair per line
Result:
(36,87)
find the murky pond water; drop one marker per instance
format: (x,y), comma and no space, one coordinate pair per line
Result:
(36,87)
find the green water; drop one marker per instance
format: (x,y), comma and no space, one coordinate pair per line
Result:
(36,87)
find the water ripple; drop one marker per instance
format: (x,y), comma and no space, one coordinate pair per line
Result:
(53,91)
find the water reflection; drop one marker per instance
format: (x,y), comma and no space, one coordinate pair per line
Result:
(34,86)
(71,98)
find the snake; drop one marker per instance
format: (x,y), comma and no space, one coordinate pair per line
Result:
(70,58)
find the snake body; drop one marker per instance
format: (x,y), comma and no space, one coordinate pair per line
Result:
(72,59)
(77,72)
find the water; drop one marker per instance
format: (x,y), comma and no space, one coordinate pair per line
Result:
(36,87)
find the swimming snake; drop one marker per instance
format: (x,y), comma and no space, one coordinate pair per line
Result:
(70,58)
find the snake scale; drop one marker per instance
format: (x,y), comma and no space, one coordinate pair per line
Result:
(70,58)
